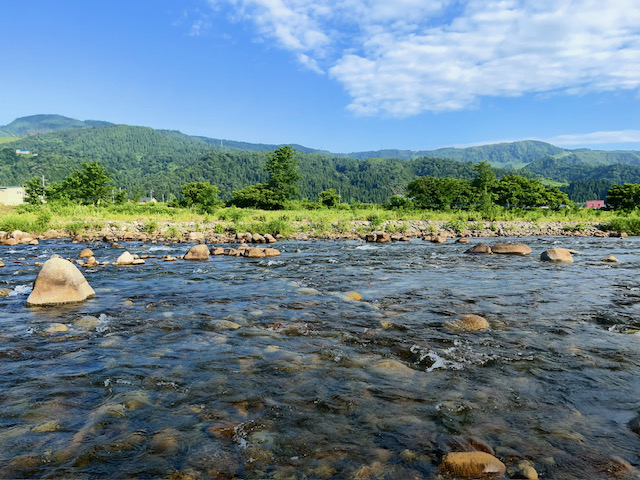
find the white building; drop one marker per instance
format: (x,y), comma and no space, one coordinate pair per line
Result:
(12,195)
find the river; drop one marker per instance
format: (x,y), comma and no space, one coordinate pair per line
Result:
(264,368)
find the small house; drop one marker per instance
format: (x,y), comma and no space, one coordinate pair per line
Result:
(12,195)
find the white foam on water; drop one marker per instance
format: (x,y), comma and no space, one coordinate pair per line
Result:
(366,247)
(21,290)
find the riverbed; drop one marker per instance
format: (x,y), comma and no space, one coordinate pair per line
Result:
(266,368)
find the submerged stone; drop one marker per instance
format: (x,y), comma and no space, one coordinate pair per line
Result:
(468,323)
(472,465)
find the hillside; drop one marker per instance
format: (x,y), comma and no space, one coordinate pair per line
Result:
(504,155)
(142,159)
(34,124)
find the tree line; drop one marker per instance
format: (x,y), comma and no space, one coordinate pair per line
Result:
(93,184)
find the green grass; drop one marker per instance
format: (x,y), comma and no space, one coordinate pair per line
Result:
(8,139)
(322,222)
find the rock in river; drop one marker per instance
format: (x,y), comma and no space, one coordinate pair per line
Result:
(559,255)
(472,465)
(511,249)
(480,248)
(468,323)
(125,259)
(198,252)
(59,281)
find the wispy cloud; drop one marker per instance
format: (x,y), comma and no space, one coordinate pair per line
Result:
(409,56)
(597,138)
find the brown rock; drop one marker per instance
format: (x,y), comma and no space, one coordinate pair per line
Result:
(86,253)
(59,281)
(9,242)
(472,465)
(481,248)
(269,238)
(257,238)
(271,252)
(353,296)
(217,251)
(254,252)
(462,240)
(559,255)
(198,252)
(511,249)
(610,259)
(469,323)
(438,239)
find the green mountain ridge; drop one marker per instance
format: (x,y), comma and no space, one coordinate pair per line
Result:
(42,123)
(144,159)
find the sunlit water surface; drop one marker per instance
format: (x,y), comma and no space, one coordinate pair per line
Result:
(243,368)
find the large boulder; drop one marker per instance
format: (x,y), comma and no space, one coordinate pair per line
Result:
(198,252)
(59,281)
(481,248)
(559,255)
(472,465)
(511,249)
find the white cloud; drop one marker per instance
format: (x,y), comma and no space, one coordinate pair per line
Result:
(404,57)
(597,138)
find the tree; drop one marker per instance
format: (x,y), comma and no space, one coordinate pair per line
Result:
(624,197)
(282,167)
(329,198)
(35,190)
(483,185)
(90,185)
(254,196)
(439,193)
(201,194)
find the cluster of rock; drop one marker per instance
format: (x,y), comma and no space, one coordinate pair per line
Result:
(384,237)
(60,281)
(17,237)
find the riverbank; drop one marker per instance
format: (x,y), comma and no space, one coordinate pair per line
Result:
(393,230)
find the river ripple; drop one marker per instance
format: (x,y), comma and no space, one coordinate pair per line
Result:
(243,368)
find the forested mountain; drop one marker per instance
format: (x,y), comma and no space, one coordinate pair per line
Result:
(34,124)
(143,159)
(505,155)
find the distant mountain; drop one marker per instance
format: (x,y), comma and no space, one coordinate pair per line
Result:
(143,159)
(162,160)
(34,124)
(503,155)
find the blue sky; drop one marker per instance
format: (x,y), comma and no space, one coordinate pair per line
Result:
(345,76)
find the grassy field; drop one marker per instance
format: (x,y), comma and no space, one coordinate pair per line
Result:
(154,218)
(8,139)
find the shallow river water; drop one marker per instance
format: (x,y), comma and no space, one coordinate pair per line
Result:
(262,368)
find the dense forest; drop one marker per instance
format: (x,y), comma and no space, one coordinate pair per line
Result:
(141,159)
